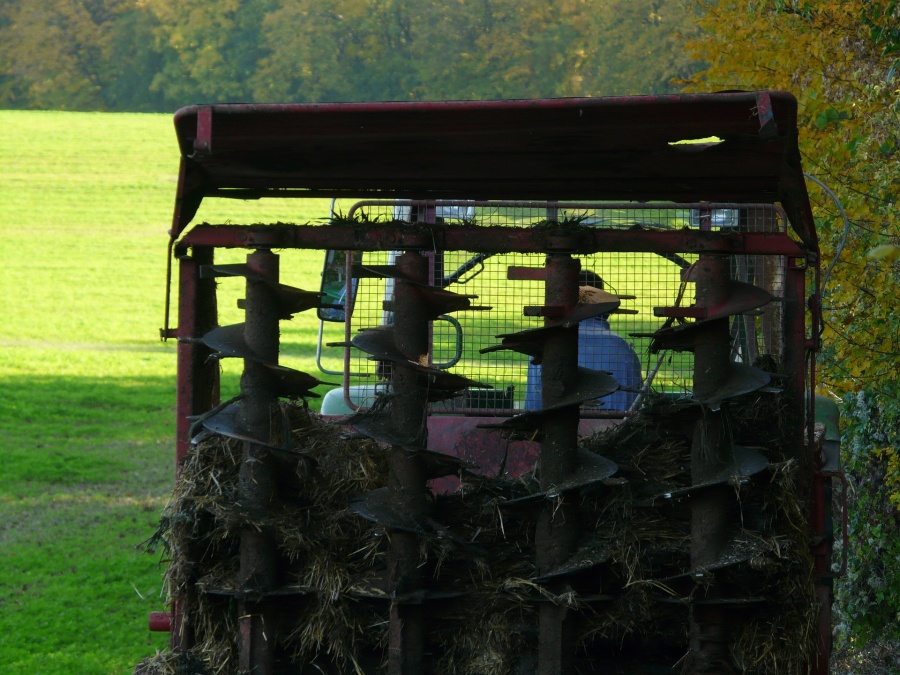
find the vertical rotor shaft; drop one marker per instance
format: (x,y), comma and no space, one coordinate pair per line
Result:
(557,527)
(258,490)
(407,482)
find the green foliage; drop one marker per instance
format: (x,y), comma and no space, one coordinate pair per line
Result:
(834,56)
(82,55)
(159,55)
(868,605)
(396,50)
(208,50)
(626,33)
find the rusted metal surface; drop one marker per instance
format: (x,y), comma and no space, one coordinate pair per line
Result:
(575,149)
(612,148)
(463,437)
(736,298)
(198,379)
(407,482)
(710,455)
(160,622)
(258,490)
(799,367)
(802,407)
(556,531)
(713,461)
(378,237)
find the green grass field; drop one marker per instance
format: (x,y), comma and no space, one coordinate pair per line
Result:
(87,390)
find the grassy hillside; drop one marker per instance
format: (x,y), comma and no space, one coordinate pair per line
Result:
(86,387)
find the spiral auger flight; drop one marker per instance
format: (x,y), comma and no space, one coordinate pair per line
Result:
(564,469)
(404,506)
(720,466)
(255,419)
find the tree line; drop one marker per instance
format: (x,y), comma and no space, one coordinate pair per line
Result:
(158,55)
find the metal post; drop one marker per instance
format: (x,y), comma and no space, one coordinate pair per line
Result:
(198,379)
(710,452)
(407,480)
(258,491)
(795,360)
(557,527)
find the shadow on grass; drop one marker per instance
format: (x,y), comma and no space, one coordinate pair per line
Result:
(68,430)
(64,559)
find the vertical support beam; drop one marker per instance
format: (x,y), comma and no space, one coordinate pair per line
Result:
(256,482)
(710,453)
(799,394)
(557,526)
(407,480)
(794,357)
(198,378)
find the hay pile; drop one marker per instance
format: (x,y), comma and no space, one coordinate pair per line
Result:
(325,548)
(628,581)
(330,556)
(649,539)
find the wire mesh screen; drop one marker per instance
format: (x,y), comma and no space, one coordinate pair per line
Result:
(618,343)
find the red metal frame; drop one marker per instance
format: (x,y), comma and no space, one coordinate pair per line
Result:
(604,148)
(576,149)
(378,237)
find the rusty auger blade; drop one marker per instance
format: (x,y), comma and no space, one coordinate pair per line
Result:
(742,379)
(738,550)
(378,507)
(739,298)
(377,424)
(678,338)
(590,385)
(295,383)
(747,462)
(527,424)
(739,379)
(290,300)
(229,342)
(582,312)
(581,561)
(590,470)
(438,465)
(440,301)
(379,344)
(293,300)
(443,385)
(531,341)
(226,421)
